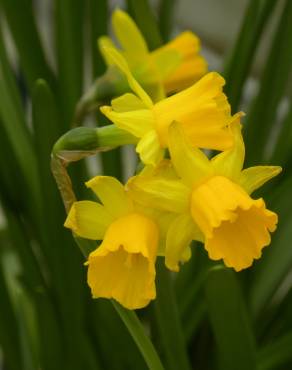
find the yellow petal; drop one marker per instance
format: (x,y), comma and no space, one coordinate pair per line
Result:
(88,220)
(118,60)
(137,122)
(129,36)
(123,267)
(236,227)
(112,194)
(160,193)
(149,148)
(254,177)
(191,164)
(104,42)
(202,110)
(230,162)
(127,102)
(179,236)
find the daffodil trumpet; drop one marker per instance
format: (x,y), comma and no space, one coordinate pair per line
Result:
(211,198)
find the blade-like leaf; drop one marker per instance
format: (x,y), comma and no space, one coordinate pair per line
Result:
(69,17)
(167,320)
(9,330)
(238,66)
(166,15)
(277,353)
(21,21)
(277,259)
(272,87)
(98,15)
(229,320)
(143,15)
(282,154)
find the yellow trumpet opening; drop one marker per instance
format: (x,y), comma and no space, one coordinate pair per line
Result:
(236,227)
(123,266)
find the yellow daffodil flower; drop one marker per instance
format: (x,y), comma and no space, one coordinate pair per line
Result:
(202,110)
(123,266)
(212,201)
(173,66)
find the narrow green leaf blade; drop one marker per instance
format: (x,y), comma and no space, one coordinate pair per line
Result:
(229,320)
(20,17)
(144,17)
(166,15)
(272,87)
(238,66)
(98,15)
(9,330)
(69,17)
(277,259)
(276,353)
(167,320)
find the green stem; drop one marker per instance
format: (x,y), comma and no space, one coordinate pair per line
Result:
(144,344)
(168,322)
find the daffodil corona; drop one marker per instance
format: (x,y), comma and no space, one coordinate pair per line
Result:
(123,266)
(170,68)
(212,201)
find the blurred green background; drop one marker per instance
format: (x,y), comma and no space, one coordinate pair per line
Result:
(224,320)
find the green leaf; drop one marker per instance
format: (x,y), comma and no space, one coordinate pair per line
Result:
(282,151)
(189,288)
(277,259)
(55,242)
(98,14)
(21,21)
(12,120)
(238,65)
(166,15)
(230,321)
(276,353)
(9,330)
(167,321)
(107,325)
(272,87)
(143,15)
(69,17)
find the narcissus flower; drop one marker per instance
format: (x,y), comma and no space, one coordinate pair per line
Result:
(202,110)
(123,266)
(212,201)
(173,66)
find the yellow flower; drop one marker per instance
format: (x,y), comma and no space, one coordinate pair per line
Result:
(123,266)
(202,110)
(212,200)
(173,66)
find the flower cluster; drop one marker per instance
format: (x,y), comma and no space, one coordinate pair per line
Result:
(175,109)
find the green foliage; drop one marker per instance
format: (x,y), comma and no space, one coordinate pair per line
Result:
(205,317)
